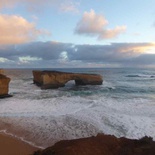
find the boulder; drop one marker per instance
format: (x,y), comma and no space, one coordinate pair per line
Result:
(101,145)
(4,86)
(55,79)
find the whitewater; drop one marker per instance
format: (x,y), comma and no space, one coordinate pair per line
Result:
(124,105)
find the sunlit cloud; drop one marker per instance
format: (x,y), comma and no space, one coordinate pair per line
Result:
(112,33)
(135,48)
(16,29)
(92,24)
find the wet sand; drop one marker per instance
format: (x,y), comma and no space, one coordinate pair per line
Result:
(11,146)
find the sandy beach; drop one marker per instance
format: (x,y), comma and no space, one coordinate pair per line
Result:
(11,146)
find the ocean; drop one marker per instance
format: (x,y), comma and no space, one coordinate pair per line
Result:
(124,105)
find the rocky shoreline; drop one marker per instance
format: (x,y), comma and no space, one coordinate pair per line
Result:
(101,145)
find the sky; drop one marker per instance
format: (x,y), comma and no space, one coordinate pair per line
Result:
(77,33)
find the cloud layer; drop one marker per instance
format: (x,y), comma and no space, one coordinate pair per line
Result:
(56,54)
(93,24)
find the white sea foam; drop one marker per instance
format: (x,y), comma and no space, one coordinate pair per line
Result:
(49,120)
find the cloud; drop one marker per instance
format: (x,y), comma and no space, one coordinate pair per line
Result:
(41,50)
(69,7)
(112,33)
(12,3)
(39,5)
(57,54)
(44,50)
(16,29)
(7,3)
(115,52)
(93,24)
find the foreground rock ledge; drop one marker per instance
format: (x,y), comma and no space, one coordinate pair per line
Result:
(101,145)
(55,79)
(4,86)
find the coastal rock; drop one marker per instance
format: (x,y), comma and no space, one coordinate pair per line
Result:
(55,79)
(1,71)
(101,145)
(4,86)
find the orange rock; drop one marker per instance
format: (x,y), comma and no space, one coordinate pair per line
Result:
(4,86)
(55,79)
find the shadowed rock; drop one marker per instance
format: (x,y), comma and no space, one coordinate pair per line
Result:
(101,145)
(4,86)
(55,79)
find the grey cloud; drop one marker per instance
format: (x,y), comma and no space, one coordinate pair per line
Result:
(144,59)
(115,52)
(44,50)
(46,54)
(9,52)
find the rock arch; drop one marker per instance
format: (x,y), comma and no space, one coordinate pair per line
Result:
(55,79)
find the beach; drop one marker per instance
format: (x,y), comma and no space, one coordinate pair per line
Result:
(10,145)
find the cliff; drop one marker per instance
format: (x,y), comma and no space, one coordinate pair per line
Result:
(4,86)
(55,79)
(101,145)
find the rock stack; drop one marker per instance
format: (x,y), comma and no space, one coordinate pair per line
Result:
(4,85)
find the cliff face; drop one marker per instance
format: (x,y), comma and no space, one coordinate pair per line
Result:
(101,145)
(4,85)
(54,79)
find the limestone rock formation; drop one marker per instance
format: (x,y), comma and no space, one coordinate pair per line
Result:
(55,79)
(1,71)
(4,86)
(101,145)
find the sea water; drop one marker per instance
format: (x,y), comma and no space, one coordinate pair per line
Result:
(124,105)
